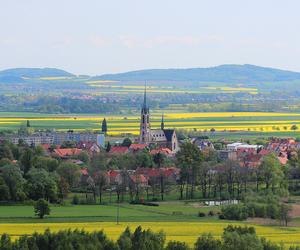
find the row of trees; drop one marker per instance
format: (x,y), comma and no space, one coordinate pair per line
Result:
(238,238)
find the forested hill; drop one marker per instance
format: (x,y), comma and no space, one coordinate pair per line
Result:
(222,73)
(18,74)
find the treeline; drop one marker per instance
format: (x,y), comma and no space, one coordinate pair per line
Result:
(234,237)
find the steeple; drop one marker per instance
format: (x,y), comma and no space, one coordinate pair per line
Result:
(145,131)
(162,125)
(145,108)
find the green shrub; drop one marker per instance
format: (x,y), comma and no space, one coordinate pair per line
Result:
(201,214)
(235,212)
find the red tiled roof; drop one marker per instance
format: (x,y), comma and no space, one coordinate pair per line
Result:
(283,160)
(62,152)
(264,152)
(45,146)
(118,149)
(137,146)
(138,178)
(113,173)
(165,151)
(84,171)
(156,172)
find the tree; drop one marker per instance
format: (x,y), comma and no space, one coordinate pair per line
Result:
(126,142)
(41,208)
(41,184)
(5,151)
(70,172)
(68,144)
(207,242)
(84,157)
(104,126)
(12,177)
(108,147)
(63,188)
(159,159)
(189,159)
(271,171)
(283,214)
(4,191)
(144,159)
(101,181)
(177,245)
(294,127)
(26,159)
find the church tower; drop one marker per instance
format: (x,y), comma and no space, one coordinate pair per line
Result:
(162,124)
(145,131)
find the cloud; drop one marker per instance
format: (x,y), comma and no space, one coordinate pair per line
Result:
(133,42)
(99,41)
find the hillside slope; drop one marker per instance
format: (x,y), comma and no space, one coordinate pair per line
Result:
(223,73)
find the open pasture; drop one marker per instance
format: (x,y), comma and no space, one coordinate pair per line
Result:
(261,122)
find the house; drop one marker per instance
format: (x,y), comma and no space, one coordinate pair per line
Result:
(66,152)
(171,174)
(90,147)
(203,144)
(244,147)
(225,155)
(164,151)
(114,177)
(138,179)
(119,150)
(134,147)
(251,160)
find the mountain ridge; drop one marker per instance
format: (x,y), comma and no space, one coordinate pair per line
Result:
(221,73)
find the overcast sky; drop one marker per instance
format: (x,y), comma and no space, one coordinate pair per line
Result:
(106,36)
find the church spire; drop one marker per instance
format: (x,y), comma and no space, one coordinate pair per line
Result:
(162,125)
(145,109)
(145,97)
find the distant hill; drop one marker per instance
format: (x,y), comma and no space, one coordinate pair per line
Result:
(223,73)
(33,73)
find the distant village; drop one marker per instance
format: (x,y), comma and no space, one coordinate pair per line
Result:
(67,146)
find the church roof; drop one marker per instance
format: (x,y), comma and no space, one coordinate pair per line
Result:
(169,133)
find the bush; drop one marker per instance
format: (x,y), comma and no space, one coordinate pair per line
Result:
(235,212)
(211,213)
(177,245)
(75,200)
(201,214)
(41,208)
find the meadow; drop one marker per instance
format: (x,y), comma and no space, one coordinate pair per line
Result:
(258,122)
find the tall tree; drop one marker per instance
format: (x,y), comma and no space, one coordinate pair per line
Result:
(271,171)
(14,181)
(26,159)
(70,172)
(189,159)
(101,181)
(104,126)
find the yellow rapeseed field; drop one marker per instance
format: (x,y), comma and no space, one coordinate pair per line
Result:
(201,121)
(182,231)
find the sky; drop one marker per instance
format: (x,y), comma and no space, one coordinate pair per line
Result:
(107,36)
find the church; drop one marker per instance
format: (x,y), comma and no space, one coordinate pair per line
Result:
(163,138)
